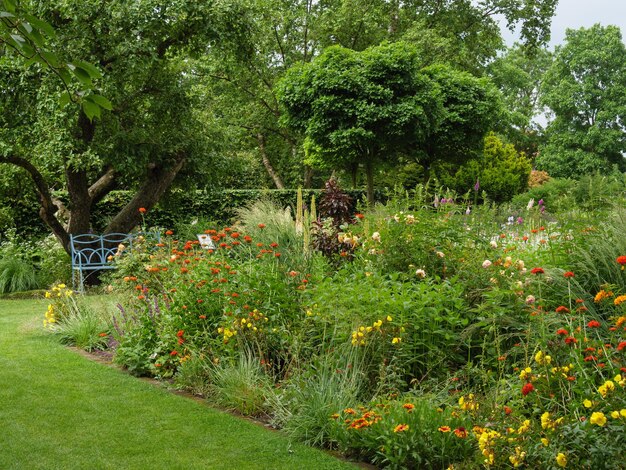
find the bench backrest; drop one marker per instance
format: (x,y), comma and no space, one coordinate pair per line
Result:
(92,252)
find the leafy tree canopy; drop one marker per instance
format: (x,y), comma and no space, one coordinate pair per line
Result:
(585,88)
(366,107)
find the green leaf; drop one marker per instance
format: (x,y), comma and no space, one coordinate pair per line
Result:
(41,25)
(101,101)
(89,68)
(83,76)
(91,109)
(64,99)
(50,58)
(65,75)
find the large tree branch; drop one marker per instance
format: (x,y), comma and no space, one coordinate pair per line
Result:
(48,208)
(157,181)
(102,186)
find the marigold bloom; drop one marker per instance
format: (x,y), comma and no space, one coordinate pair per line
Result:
(143,210)
(568,274)
(621,260)
(401,428)
(562,309)
(593,324)
(537,271)
(600,296)
(562,331)
(619,300)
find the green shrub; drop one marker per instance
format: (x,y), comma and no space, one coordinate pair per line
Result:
(241,386)
(17,275)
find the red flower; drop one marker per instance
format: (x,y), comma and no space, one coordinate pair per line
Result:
(174,353)
(621,345)
(527,388)
(460,432)
(621,260)
(537,271)
(562,331)
(571,340)
(568,274)
(169,232)
(273,244)
(143,210)
(562,309)
(261,225)
(180,333)
(359,216)
(593,324)
(507,410)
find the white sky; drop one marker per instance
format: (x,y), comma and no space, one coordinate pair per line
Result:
(582,13)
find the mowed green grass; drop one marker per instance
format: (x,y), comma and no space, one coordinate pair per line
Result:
(59,410)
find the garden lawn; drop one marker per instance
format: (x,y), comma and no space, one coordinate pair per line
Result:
(61,410)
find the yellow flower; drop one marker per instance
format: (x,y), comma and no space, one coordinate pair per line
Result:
(622,413)
(541,358)
(587,403)
(561,459)
(545,441)
(389,318)
(615,414)
(607,387)
(396,340)
(598,418)
(48,295)
(525,373)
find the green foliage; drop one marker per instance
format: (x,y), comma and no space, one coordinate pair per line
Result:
(83,328)
(501,172)
(584,87)
(241,387)
(17,275)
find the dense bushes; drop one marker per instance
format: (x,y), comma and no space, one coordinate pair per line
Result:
(440,335)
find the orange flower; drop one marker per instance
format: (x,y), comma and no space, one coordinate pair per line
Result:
(621,260)
(460,432)
(408,406)
(261,225)
(444,428)
(401,428)
(568,274)
(143,210)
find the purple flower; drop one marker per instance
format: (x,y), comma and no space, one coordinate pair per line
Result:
(540,203)
(520,220)
(477,185)
(444,200)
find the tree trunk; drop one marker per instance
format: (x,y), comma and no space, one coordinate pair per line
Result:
(308,176)
(369,174)
(267,164)
(158,180)
(354,173)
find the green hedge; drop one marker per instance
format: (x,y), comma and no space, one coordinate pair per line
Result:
(176,207)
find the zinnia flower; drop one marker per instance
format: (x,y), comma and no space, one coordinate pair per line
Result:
(621,260)
(593,324)
(143,210)
(527,388)
(568,274)
(537,271)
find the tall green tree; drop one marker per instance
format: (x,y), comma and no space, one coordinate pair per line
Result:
(141,49)
(364,108)
(519,76)
(585,88)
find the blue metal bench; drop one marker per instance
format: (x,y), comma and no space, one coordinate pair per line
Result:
(91,253)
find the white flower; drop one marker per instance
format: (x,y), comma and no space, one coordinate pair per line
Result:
(530,299)
(530,205)
(376,236)
(410,219)
(486,263)
(420,273)
(396,218)
(372,251)
(468,211)
(440,254)
(494,244)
